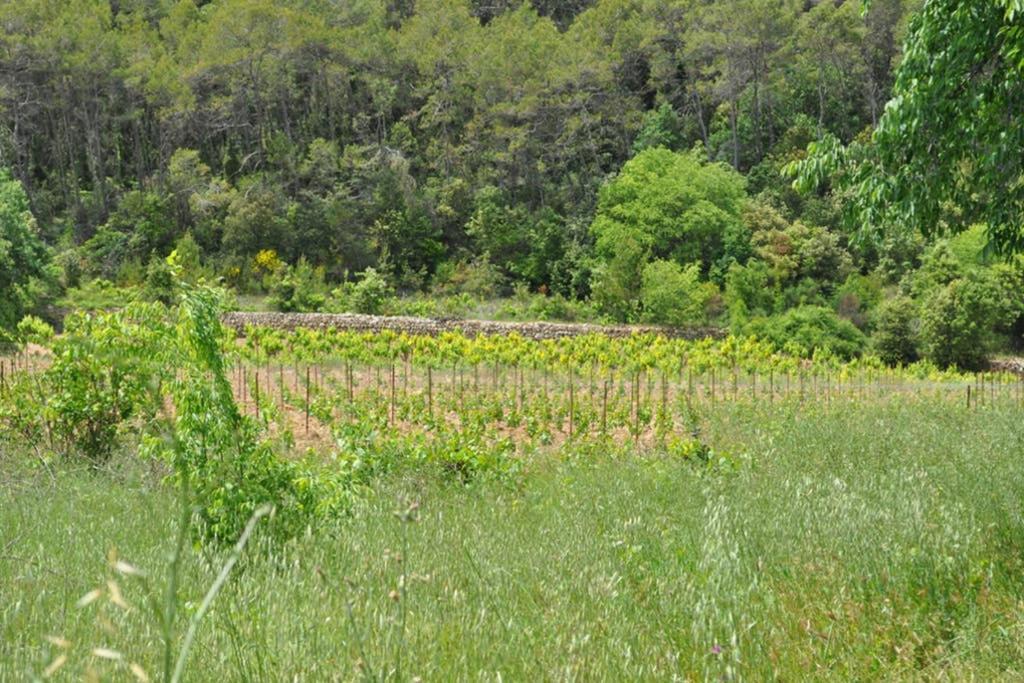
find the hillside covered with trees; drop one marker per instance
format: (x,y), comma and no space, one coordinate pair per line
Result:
(626,160)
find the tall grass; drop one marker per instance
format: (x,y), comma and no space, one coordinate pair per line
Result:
(881,543)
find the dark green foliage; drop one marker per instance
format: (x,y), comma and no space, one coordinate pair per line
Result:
(160,284)
(660,128)
(857,297)
(748,292)
(673,295)
(479,278)
(895,336)
(298,289)
(805,329)
(945,153)
(370,294)
(957,320)
(23,256)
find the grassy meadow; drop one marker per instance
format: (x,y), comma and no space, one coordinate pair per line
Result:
(882,543)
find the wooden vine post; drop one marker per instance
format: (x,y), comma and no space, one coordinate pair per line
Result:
(430,391)
(307,399)
(636,406)
(572,402)
(392,412)
(664,401)
(604,409)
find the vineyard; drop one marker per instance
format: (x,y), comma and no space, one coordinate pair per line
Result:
(711,505)
(322,387)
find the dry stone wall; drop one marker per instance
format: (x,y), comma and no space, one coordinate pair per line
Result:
(1011,365)
(432,327)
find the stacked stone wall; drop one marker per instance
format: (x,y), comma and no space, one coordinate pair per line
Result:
(432,327)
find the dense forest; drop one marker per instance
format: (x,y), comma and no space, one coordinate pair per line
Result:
(626,160)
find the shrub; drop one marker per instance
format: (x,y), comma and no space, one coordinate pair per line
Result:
(106,370)
(370,294)
(617,281)
(160,284)
(187,258)
(300,289)
(672,295)
(855,298)
(34,330)
(23,256)
(805,329)
(221,457)
(478,278)
(748,292)
(895,336)
(957,321)
(96,295)
(1009,279)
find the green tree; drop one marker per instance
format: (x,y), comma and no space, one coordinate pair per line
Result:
(946,152)
(661,128)
(662,205)
(957,322)
(804,329)
(673,295)
(23,256)
(895,336)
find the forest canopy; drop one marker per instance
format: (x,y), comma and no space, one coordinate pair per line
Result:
(612,159)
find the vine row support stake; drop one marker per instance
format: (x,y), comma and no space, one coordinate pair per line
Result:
(636,407)
(664,398)
(572,402)
(604,409)
(348,378)
(392,393)
(307,399)
(430,392)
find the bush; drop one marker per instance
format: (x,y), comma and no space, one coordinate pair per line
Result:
(34,330)
(298,290)
(617,281)
(957,322)
(748,292)
(895,336)
(97,295)
(672,295)
(857,297)
(805,329)
(105,371)
(371,294)
(478,278)
(23,256)
(160,284)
